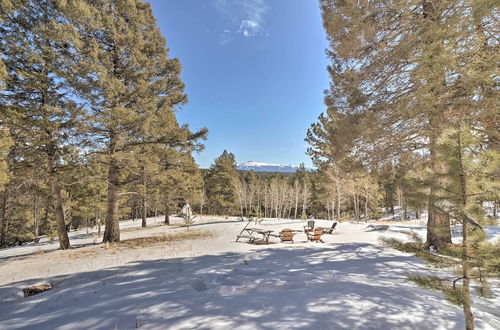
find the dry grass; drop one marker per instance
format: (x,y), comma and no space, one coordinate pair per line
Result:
(388,222)
(164,239)
(81,253)
(39,252)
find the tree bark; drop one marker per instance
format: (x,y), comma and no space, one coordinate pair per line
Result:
(167,211)
(62,233)
(338,201)
(112,230)
(36,219)
(355,202)
(144,214)
(438,223)
(366,206)
(99,222)
(143,199)
(202,201)
(467,308)
(3,215)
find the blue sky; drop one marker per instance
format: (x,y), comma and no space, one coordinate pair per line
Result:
(254,70)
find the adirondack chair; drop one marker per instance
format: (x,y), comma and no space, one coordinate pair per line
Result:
(330,230)
(286,235)
(315,236)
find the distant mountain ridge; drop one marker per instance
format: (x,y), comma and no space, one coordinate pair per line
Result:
(265,167)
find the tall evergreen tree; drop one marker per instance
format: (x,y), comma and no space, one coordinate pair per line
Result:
(179,180)
(220,187)
(133,89)
(401,70)
(37,104)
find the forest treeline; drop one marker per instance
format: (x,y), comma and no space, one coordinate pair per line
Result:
(87,103)
(307,193)
(89,134)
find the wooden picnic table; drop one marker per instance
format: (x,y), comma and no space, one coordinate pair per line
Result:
(266,234)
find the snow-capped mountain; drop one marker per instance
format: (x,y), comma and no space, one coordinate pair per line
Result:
(265,167)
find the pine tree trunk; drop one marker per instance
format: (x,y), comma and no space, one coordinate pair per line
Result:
(36,220)
(438,223)
(202,202)
(338,202)
(358,214)
(62,233)
(467,308)
(167,211)
(366,207)
(98,221)
(112,230)
(144,210)
(143,199)
(438,227)
(467,304)
(3,215)
(355,207)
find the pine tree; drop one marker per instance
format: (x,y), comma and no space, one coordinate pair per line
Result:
(133,89)
(471,169)
(84,185)
(179,181)
(220,184)
(401,71)
(38,104)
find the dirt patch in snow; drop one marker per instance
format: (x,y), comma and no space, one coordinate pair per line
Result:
(141,242)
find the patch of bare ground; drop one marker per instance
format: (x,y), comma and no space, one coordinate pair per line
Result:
(385,222)
(163,239)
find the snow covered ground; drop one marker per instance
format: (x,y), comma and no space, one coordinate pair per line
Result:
(213,282)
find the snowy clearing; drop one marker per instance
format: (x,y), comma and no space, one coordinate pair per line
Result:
(209,281)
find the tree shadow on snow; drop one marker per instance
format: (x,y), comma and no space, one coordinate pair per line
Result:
(355,286)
